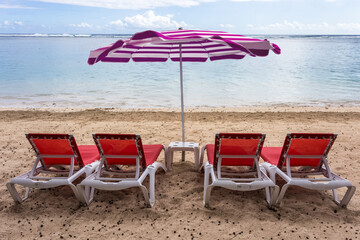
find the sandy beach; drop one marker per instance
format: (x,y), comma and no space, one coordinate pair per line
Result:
(178,212)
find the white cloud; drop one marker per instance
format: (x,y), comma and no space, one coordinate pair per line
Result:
(349,26)
(150,20)
(81,25)
(19,23)
(118,23)
(129,4)
(9,24)
(147,20)
(8,6)
(226,25)
(295,27)
(273,0)
(254,0)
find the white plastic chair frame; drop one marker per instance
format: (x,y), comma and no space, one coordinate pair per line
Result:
(239,184)
(31,180)
(95,181)
(331,181)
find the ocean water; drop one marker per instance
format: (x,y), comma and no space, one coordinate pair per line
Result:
(52,71)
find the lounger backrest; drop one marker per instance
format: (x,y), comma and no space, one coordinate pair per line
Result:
(306,144)
(243,144)
(120,145)
(56,145)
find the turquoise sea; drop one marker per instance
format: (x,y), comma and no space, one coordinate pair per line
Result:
(52,71)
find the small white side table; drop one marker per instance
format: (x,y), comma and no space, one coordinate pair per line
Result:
(183,146)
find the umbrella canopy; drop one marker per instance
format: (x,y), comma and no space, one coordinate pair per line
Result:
(196,46)
(182,46)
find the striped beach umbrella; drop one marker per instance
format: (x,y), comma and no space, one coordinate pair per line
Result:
(182,46)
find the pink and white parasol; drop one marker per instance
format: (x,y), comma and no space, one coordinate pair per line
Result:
(182,46)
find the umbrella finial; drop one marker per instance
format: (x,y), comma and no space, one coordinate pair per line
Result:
(180,28)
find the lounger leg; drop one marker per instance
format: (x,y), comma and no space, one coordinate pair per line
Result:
(202,158)
(268,195)
(87,192)
(207,194)
(78,195)
(196,158)
(273,176)
(274,195)
(146,194)
(207,188)
(14,193)
(85,195)
(271,170)
(348,195)
(282,193)
(335,196)
(167,158)
(152,185)
(170,156)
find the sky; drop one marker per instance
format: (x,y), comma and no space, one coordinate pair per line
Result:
(130,16)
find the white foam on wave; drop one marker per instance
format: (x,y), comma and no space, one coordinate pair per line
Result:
(76,35)
(45,35)
(82,35)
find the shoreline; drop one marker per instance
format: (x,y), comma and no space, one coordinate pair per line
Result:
(191,116)
(271,108)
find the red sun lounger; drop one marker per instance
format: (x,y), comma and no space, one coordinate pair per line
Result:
(300,160)
(59,161)
(125,163)
(233,163)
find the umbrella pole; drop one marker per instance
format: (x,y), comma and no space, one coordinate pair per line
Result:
(182,103)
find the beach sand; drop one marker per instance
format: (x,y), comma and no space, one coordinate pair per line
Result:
(178,212)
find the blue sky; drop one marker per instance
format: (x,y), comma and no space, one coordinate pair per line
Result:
(129,16)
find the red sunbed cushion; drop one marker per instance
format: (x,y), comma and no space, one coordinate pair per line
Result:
(61,145)
(54,147)
(308,146)
(152,152)
(300,144)
(210,150)
(119,147)
(238,146)
(271,154)
(128,147)
(89,153)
